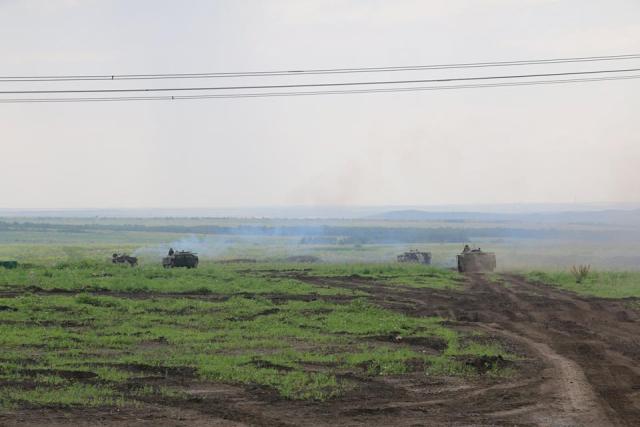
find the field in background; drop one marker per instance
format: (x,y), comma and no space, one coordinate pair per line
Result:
(553,246)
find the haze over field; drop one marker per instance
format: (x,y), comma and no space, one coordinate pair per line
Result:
(542,144)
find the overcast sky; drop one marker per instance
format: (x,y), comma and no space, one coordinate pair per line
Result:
(565,143)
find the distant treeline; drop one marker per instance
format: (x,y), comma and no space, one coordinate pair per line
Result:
(336,234)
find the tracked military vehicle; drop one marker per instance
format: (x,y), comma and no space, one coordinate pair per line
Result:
(415,256)
(180,259)
(9,264)
(124,259)
(476,261)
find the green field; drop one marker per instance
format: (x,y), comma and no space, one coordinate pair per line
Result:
(95,334)
(549,247)
(603,284)
(78,331)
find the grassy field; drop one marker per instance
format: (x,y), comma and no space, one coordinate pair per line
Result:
(413,275)
(78,331)
(92,276)
(604,284)
(271,240)
(94,334)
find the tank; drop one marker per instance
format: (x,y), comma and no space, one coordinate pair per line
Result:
(9,264)
(180,259)
(124,259)
(476,261)
(415,256)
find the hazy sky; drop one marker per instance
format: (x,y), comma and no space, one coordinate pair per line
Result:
(568,143)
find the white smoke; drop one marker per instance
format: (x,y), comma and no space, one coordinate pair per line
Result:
(221,247)
(206,246)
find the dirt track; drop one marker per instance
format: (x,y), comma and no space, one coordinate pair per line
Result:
(580,366)
(587,352)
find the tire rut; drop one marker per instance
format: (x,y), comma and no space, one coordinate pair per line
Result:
(588,347)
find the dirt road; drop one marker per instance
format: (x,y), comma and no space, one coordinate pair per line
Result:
(579,366)
(584,353)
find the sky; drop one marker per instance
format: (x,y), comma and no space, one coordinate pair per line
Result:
(576,143)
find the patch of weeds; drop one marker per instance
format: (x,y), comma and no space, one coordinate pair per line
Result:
(112,374)
(384,360)
(75,394)
(497,279)
(468,358)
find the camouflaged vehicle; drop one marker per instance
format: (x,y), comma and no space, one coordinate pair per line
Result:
(124,259)
(476,261)
(415,256)
(9,264)
(180,259)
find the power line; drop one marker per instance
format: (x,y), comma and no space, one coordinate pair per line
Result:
(159,76)
(312,93)
(311,85)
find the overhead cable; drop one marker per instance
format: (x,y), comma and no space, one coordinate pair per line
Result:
(313,93)
(312,71)
(311,85)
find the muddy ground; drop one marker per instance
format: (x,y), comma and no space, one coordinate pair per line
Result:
(579,365)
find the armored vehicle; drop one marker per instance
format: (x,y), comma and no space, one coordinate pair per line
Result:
(9,264)
(180,259)
(415,256)
(124,259)
(476,261)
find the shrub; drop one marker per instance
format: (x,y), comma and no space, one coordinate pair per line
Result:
(580,272)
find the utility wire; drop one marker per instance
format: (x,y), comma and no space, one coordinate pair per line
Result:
(314,71)
(310,93)
(311,85)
